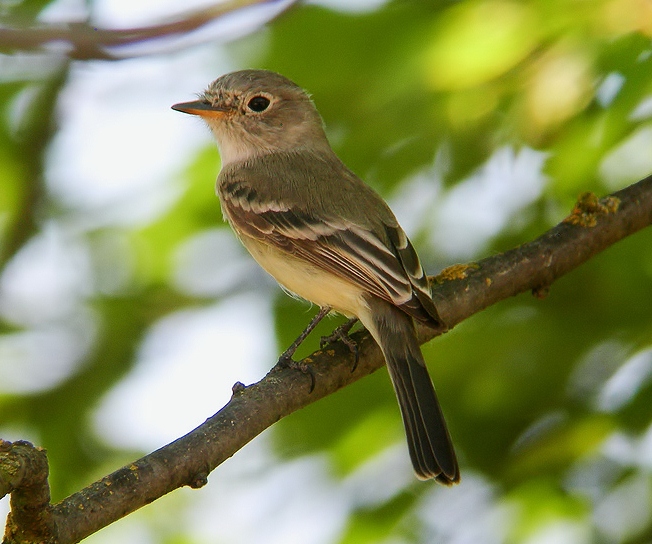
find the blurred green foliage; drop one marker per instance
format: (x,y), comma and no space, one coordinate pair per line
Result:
(409,88)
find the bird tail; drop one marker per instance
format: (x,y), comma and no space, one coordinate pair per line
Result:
(429,442)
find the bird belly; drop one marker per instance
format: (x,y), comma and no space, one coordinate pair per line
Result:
(306,280)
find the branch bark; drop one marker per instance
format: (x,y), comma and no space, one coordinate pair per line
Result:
(594,225)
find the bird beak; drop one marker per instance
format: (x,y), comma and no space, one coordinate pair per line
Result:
(199,107)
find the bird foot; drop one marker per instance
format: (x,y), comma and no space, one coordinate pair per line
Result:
(286,361)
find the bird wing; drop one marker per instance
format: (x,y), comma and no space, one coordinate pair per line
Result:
(384,264)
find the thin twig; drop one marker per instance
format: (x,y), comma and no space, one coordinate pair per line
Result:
(87,41)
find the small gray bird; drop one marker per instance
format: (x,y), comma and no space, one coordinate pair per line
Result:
(326,236)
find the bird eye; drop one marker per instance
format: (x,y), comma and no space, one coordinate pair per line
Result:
(258,103)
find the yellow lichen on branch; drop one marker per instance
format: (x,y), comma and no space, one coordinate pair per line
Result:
(589,207)
(455,272)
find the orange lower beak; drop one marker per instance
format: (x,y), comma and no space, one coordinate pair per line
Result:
(199,107)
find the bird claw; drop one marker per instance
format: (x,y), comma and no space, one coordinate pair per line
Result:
(286,361)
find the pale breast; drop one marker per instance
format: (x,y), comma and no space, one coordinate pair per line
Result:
(307,281)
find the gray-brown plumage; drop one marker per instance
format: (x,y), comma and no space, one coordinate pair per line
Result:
(326,236)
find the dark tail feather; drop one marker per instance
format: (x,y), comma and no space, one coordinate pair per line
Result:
(429,443)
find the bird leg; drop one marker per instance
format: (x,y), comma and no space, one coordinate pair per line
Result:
(286,361)
(341,333)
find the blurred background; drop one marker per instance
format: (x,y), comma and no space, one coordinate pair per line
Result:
(128,309)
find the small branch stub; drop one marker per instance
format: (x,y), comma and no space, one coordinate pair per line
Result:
(24,474)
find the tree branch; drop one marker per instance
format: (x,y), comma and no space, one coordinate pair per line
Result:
(593,226)
(90,42)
